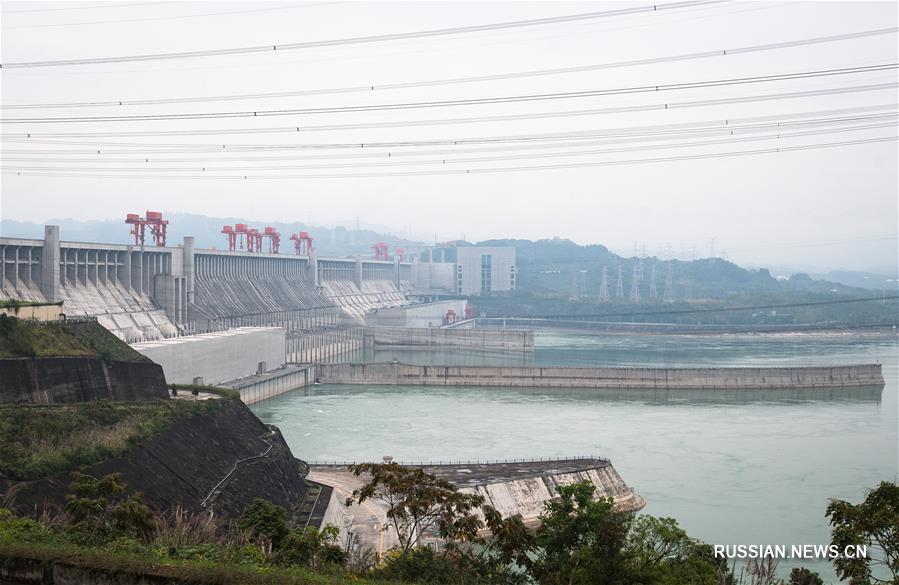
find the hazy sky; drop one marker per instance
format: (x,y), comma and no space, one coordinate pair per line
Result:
(826,207)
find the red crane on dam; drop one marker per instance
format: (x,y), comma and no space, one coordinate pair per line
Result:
(302,243)
(154,221)
(401,252)
(381,251)
(241,230)
(274,240)
(254,240)
(232,237)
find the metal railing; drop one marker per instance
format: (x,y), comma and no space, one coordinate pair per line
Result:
(422,463)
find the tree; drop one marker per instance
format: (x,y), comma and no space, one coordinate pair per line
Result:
(874,524)
(660,551)
(267,521)
(582,540)
(418,502)
(803,576)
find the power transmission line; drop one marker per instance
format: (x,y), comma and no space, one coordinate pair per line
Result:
(467,102)
(361,40)
(445,161)
(152,18)
(481,171)
(397,161)
(509,142)
(105,5)
(456,80)
(446,121)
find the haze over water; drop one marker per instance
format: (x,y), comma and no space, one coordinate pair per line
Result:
(732,467)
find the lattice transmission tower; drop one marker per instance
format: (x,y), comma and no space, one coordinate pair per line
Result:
(604,286)
(653,293)
(635,285)
(669,286)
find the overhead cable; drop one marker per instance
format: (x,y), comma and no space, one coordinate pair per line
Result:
(362,40)
(456,80)
(476,170)
(466,102)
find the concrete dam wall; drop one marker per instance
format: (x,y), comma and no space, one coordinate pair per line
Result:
(78,379)
(143,293)
(605,377)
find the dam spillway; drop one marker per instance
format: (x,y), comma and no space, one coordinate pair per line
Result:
(613,378)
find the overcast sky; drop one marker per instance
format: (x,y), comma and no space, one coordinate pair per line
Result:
(819,207)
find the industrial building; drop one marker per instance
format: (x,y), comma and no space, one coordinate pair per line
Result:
(466,270)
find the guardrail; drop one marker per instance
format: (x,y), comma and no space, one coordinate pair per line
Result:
(422,463)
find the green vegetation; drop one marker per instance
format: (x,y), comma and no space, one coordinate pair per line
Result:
(874,524)
(30,338)
(103,527)
(40,440)
(581,541)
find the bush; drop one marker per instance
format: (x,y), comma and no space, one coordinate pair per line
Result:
(311,548)
(267,521)
(419,565)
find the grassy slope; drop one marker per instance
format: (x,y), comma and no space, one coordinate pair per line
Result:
(26,338)
(40,440)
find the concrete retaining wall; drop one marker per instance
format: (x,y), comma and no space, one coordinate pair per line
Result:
(611,378)
(472,338)
(528,496)
(78,379)
(217,357)
(256,388)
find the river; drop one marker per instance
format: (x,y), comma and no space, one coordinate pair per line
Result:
(732,467)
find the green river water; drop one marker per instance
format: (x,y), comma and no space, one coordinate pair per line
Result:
(733,467)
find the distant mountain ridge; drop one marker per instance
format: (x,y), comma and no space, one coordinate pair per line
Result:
(559,265)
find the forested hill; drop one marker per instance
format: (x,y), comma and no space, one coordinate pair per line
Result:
(560,266)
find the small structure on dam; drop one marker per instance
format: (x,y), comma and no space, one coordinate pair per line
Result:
(512,487)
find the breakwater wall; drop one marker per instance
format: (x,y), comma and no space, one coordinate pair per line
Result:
(514,339)
(604,377)
(624,328)
(261,386)
(78,379)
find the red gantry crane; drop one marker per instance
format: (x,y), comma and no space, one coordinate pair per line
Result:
(274,244)
(154,221)
(401,252)
(381,251)
(232,237)
(302,243)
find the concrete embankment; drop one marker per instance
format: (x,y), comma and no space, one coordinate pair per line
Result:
(255,388)
(604,377)
(512,339)
(512,487)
